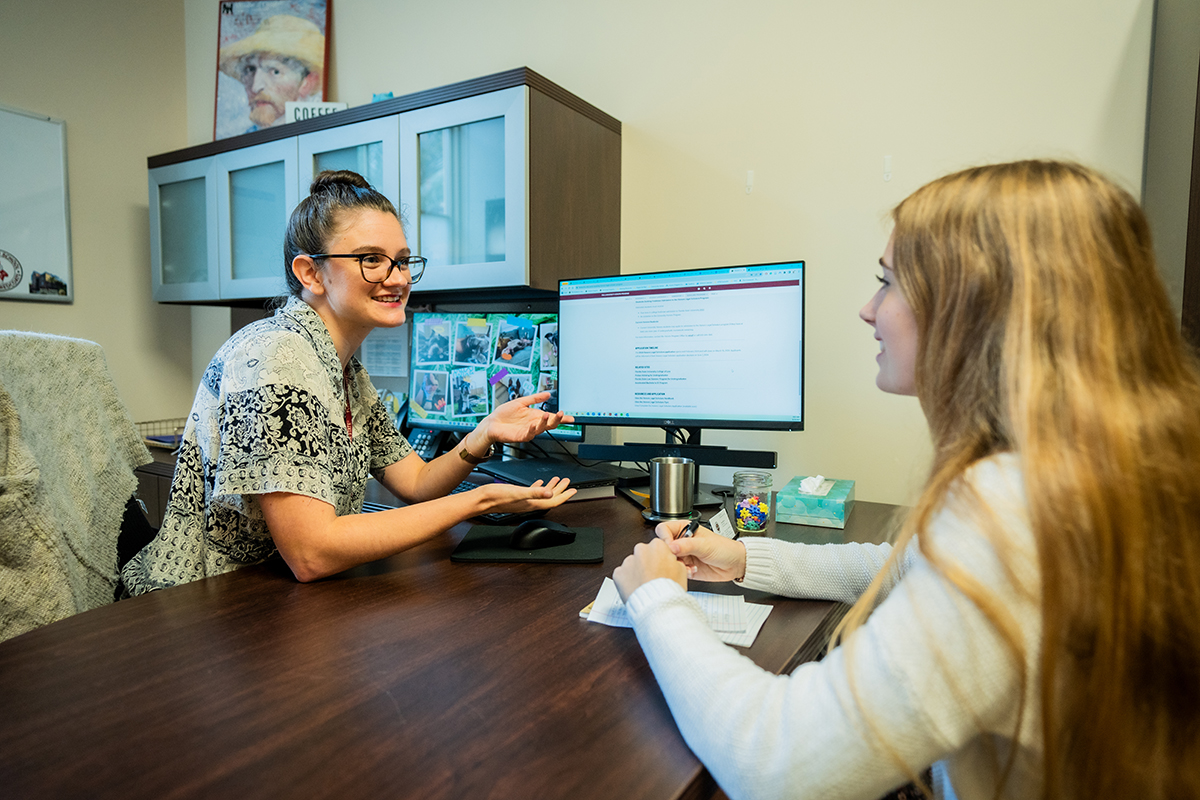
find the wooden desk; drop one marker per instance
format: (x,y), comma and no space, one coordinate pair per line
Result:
(409,677)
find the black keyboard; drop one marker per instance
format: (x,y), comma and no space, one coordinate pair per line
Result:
(494,517)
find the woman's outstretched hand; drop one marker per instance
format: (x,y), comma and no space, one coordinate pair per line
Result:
(511,499)
(516,421)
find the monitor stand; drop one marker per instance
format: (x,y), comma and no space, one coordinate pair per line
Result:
(684,443)
(707,495)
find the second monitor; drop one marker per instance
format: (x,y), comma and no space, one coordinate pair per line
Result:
(464,365)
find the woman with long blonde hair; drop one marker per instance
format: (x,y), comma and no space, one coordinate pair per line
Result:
(1034,629)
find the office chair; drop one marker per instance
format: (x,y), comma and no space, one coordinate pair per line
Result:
(68,449)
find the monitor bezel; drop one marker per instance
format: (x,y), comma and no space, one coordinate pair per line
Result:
(694,423)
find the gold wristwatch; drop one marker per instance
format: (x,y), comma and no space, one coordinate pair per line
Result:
(471,458)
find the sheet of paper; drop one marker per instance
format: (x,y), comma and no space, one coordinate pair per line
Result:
(756,615)
(724,612)
(608,609)
(385,352)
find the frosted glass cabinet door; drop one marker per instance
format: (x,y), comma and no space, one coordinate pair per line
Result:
(370,148)
(257,191)
(463,185)
(183,238)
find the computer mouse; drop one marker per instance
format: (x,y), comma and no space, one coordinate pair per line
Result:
(534,534)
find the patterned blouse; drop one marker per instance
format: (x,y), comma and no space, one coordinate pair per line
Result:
(269,416)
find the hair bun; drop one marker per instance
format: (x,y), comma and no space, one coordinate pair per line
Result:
(331,180)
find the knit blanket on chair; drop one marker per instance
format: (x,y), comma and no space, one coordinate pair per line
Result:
(68,449)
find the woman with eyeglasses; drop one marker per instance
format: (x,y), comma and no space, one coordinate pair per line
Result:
(286,426)
(1032,632)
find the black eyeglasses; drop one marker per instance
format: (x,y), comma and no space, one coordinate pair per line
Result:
(376,267)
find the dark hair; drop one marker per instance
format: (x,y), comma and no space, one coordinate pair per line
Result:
(317,219)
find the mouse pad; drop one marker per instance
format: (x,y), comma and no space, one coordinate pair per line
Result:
(490,543)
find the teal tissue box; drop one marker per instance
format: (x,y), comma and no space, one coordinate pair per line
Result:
(829,507)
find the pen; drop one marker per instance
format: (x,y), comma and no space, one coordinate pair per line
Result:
(690,530)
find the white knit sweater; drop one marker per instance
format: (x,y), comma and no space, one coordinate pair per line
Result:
(931,674)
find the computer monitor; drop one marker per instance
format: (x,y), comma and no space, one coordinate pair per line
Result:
(464,365)
(707,348)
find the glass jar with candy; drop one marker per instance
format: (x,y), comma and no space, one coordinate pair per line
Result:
(752,502)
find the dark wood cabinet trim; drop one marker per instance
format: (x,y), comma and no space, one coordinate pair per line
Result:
(574,195)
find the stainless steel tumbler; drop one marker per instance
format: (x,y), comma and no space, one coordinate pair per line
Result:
(672,484)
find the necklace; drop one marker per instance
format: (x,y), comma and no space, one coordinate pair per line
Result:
(346,391)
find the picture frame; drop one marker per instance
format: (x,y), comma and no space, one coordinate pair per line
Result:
(269,53)
(35,220)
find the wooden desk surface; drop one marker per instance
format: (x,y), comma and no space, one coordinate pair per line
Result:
(409,677)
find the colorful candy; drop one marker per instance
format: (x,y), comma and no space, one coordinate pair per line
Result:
(752,504)
(752,513)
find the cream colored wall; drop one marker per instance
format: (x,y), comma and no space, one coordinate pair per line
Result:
(812,97)
(114,71)
(210,324)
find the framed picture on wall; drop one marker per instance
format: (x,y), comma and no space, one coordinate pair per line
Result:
(269,53)
(35,224)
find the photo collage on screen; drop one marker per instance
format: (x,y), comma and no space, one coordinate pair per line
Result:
(465,365)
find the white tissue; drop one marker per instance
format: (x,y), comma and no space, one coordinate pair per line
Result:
(811,485)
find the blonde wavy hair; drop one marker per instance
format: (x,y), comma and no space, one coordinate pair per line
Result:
(1044,330)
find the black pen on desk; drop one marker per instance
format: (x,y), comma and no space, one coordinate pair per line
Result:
(689,531)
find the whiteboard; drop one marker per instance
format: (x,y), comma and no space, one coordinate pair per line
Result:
(35,225)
